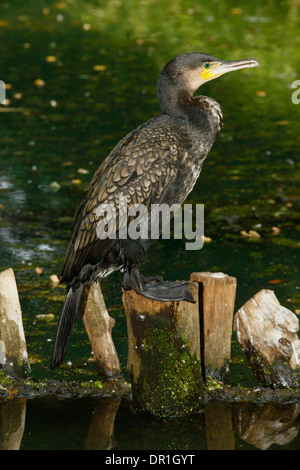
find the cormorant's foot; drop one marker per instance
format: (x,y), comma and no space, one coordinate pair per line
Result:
(151,278)
(167,291)
(164,291)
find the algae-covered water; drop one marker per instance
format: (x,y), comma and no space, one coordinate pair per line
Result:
(80,75)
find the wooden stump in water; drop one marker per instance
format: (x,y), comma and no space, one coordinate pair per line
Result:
(164,354)
(13,352)
(216,308)
(174,346)
(267,332)
(98,325)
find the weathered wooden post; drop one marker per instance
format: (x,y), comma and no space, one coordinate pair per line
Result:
(99,326)
(13,352)
(216,308)
(267,332)
(164,354)
(173,347)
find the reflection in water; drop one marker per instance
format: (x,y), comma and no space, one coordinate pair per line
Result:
(102,424)
(12,423)
(267,425)
(101,430)
(218,427)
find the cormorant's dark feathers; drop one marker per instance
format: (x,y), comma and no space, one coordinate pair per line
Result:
(158,162)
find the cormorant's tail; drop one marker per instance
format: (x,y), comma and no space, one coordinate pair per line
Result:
(66,324)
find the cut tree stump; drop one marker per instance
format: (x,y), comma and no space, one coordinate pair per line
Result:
(98,325)
(217,293)
(164,354)
(175,346)
(13,352)
(267,332)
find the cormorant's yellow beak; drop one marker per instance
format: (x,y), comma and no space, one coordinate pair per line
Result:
(213,70)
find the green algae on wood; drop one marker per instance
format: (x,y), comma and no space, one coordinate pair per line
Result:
(174,385)
(164,355)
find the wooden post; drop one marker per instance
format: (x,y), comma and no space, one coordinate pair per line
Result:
(267,332)
(13,352)
(216,308)
(164,354)
(99,326)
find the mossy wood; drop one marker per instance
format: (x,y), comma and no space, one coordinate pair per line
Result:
(13,351)
(98,325)
(164,354)
(174,346)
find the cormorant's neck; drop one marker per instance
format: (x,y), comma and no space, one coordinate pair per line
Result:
(172,98)
(200,112)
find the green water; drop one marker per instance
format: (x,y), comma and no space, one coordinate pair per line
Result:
(81,75)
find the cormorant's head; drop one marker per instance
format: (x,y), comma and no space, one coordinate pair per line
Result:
(194,69)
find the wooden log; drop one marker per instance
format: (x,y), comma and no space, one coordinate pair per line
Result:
(216,308)
(164,354)
(13,352)
(267,332)
(98,325)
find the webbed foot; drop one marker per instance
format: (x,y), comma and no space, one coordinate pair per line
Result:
(155,288)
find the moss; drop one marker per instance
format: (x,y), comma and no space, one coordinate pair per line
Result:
(97,384)
(4,380)
(170,382)
(212,384)
(279,374)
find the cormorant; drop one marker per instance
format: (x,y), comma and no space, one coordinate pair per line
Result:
(158,162)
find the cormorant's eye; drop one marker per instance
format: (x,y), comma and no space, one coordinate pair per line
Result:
(206,65)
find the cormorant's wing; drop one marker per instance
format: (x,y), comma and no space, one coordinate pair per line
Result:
(140,168)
